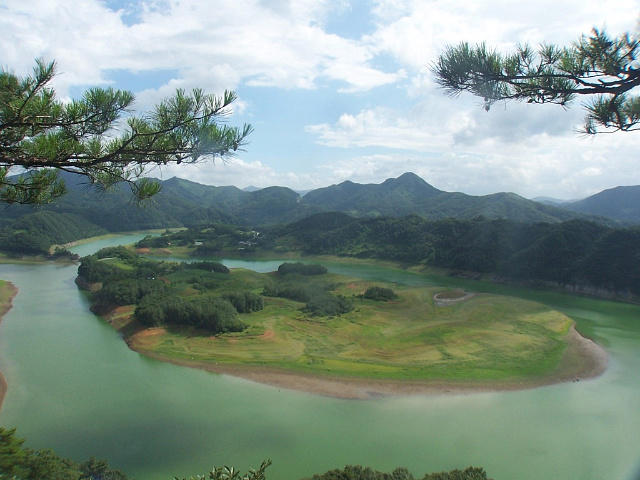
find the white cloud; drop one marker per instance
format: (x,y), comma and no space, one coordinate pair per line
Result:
(239,173)
(415,31)
(380,127)
(268,45)
(376,111)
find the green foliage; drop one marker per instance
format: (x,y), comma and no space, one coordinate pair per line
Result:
(298,287)
(211,239)
(57,227)
(153,241)
(129,291)
(213,314)
(188,204)
(13,457)
(328,305)
(596,65)
(121,252)
(394,197)
(303,283)
(24,243)
(35,233)
(300,268)
(357,472)
(380,294)
(573,253)
(18,462)
(619,203)
(245,302)
(128,279)
(230,473)
(207,266)
(45,136)
(92,269)
(98,267)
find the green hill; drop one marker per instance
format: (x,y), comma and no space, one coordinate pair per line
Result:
(619,203)
(409,194)
(183,203)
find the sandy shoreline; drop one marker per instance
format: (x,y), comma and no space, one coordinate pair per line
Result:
(582,360)
(3,310)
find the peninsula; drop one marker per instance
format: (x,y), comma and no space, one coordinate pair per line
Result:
(304,328)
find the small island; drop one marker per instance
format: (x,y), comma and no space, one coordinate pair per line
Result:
(304,328)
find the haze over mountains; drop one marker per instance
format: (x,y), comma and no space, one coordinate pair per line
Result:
(186,203)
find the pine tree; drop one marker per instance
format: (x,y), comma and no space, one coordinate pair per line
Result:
(605,68)
(98,137)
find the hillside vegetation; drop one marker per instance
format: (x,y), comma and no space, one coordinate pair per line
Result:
(182,203)
(577,255)
(35,233)
(619,203)
(20,462)
(304,319)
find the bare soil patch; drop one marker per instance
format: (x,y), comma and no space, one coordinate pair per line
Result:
(268,335)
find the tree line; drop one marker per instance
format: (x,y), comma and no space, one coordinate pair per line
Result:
(303,282)
(128,279)
(358,472)
(213,314)
(576,253)
(36,233)
(23,463)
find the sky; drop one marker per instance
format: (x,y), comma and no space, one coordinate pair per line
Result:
(338,89)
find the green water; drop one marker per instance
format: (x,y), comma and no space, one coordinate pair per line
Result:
(75,387)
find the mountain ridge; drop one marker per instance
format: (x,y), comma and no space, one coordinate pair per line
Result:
(183,203)
(621,203)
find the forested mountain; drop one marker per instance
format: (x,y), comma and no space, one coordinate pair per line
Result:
(577,254)
(183,203)
(395,196)
(409,194)
(35,232)
(619,203)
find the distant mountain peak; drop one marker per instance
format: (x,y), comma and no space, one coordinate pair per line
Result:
(621,203)
(411,180)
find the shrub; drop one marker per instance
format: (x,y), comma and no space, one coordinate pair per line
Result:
(328,305)
(379,294)
(306,269)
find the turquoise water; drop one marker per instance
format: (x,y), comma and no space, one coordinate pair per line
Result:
(75,387)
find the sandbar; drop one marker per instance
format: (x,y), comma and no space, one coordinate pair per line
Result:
(583,359)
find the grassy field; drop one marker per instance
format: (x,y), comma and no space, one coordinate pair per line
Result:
(457,338)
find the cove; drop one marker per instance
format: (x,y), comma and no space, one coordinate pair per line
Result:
(75,387)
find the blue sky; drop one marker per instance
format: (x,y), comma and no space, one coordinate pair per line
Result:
(338,89)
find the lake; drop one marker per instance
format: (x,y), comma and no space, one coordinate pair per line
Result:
(76,388)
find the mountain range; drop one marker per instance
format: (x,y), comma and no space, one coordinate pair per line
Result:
(185,203)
